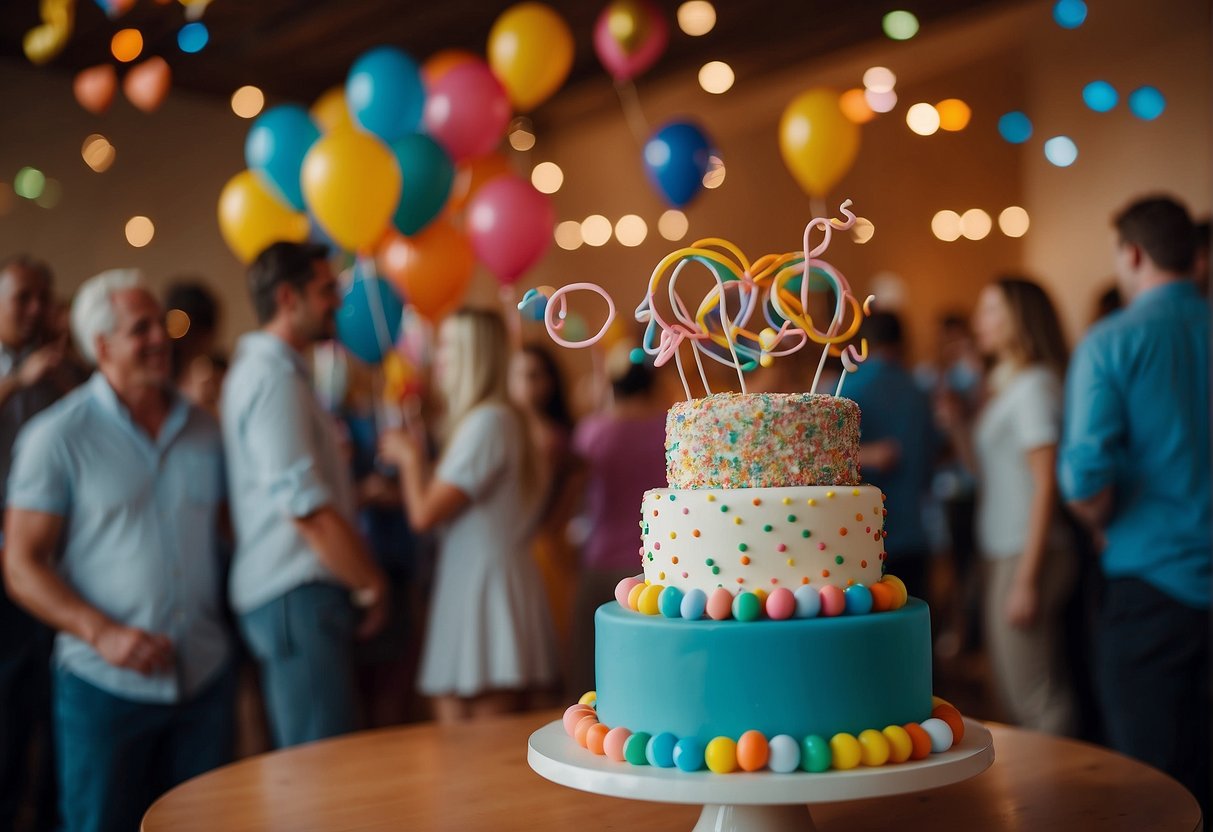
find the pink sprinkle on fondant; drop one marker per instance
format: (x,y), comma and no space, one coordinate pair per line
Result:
(656,544)
(686,510)
(821,547)
(684,574)
(782,547)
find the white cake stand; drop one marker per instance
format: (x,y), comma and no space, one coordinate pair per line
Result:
(757,802)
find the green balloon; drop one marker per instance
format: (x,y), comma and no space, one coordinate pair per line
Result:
(426,174)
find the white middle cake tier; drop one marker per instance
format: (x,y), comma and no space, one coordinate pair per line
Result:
(744,539)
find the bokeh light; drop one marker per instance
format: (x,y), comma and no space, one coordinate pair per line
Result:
(880,102)
(1015,127)
(193,37)
(1100,96)
(975,224)
(900,25)
(954,114)
(1061,151)
(52,192)
(855,107)
(879,79)
(696,17)
(547,177)
(139,231)
(673,225)
(862,230)
(714,177)
(247,102)
(1013,221)
(521,134)
(1069,14)
(568,235)
(946,225)
(177,323)
(29,183)
(1147,103)
(716,77)
(98,153)
(126,45)
(631,230)
(596,230)
(923,119)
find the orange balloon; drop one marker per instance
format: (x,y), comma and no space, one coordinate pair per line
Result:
(94,88)
(443,61)
(147,85)
(329,111)
(432,269)
(471,175)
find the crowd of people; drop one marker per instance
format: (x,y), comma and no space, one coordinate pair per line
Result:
(202,560)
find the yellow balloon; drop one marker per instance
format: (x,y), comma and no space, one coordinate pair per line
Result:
(530,52)
(250,219)
(351,183)
(817,141)
(329,111)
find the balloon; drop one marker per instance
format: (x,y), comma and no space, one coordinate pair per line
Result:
(629,37)
(467,111)
(147,84)
(329,111)
(432,269)
(471,176)
(115,8)
(95,87)
(46,40)
(351,184)
(368,321)
(426,174)
(676,159)
(442,62)
(384,92)
(250,219)
(510,224)
(275,147)
(531,52)
(817,141)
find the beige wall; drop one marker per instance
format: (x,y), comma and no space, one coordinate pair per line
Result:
(171,165)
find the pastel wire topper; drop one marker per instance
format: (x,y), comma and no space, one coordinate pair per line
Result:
(556,312)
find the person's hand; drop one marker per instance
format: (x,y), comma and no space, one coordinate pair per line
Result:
(377,490)
(134,649)
(375,602)
(1022,605)
(881,455)
(949,411)
(40,363)
(400,446)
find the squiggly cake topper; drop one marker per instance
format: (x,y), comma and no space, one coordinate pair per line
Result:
(720,327)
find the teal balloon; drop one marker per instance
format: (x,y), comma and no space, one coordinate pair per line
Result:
(385,93)
(368,322)
(427,174)
(275,147)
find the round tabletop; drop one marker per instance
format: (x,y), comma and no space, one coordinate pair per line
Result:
(475,776)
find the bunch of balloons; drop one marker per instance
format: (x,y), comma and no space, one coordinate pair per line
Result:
(399,167)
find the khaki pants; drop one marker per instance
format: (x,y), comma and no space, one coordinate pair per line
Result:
(1029,666)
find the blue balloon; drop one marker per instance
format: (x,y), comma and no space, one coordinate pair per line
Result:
(427,174)
(275,147)
(676,158)
(385,93)
(368,321)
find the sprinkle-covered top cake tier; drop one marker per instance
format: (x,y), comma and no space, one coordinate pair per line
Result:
(762,440)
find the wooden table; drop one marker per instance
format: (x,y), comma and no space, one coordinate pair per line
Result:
(472,777)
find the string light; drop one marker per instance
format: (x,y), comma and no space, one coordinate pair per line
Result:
(673,225)
(631,230)
(126,45)
(547,177)
(975,224)
(1013,221)
(98,153)
(247,101)
(716,77)
(946,226)
(568,235)
(696,17)
(596,230)
(139,231)
(923,119)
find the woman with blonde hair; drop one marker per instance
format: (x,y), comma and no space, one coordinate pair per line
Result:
(488,640)
(1029,562)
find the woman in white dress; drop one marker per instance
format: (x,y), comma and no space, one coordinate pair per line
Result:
(1029,562)
(488,640)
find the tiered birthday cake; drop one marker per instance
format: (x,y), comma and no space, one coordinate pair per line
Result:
(763,633)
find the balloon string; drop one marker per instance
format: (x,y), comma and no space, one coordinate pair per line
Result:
(513,315)
(383,334)
(633,113)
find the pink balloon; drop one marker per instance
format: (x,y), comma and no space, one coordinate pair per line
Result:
(510,224)
(624,65)
(467,111)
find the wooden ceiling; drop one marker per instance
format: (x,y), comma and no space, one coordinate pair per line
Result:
(295,49)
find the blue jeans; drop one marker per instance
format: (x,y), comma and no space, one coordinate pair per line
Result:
(117,756)
(304,643)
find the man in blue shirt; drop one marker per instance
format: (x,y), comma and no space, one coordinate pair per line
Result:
(897,445)
(111,536)
(303,583)
(1135,465)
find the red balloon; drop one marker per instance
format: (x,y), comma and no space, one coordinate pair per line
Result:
(467,111)
(627,58)
(510,224)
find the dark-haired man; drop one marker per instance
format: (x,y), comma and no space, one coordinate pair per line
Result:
(1135,465)
(301,573)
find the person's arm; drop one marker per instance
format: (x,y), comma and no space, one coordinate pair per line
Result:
(1094,511)
(879,455)
(428,502)
(36,366)
(1094,430)
(339,547)
(1023,602)
(30,577)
